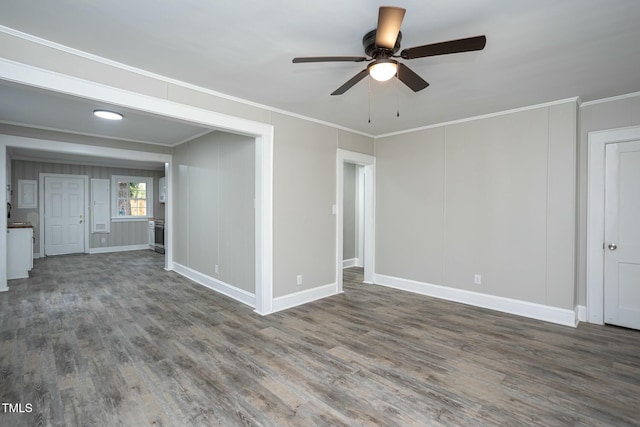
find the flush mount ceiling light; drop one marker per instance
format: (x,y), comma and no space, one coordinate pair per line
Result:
(108,115)
(383,69)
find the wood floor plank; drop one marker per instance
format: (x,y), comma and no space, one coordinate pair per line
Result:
(114,340)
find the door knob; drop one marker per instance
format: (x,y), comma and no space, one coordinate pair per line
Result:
(612,246)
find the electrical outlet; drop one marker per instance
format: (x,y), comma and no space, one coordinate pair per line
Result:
(477,279)
(216,268)
(299,279)
(103,240)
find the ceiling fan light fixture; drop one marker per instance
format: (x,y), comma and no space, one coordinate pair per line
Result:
(108,115)
(383,69)
(383,43)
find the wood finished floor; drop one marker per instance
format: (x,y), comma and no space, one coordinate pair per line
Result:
(113,340)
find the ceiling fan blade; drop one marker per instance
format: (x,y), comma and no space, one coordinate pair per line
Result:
(389,21)
(444,48)
(348,85)
(330,59)
(411,79)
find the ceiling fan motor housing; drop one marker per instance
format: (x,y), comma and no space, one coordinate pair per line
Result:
(375,52)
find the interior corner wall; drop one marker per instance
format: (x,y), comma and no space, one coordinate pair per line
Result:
(492,196)
(600,115)
(214,215)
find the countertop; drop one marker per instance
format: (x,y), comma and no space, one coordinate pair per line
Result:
(19,225)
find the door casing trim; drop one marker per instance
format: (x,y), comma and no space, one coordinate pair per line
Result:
(369,164)
(597,142)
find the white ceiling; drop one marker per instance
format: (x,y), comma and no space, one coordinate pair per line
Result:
(537,51)
(54,111)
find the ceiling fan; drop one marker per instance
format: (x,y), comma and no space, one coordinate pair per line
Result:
(381,46)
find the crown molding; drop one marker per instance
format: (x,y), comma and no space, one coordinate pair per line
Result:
(483,116)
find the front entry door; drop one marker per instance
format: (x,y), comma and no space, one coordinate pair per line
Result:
(64,215)
(622,235)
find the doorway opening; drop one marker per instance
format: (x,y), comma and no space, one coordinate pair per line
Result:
(354,215)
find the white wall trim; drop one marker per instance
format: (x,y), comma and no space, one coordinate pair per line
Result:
(581,313)
(110,249)
(610,99)
(85,134)
(597,142)
(483,116)
(262,132)
(547,313)
(353,262)
(369,164)
(216,285)
(164,79)
(88,150)
(114,164)
(264,222)
(304,297)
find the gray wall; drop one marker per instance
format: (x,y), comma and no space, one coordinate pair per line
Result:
(493,196)
(350,210)
(121,233)
(609,114)
(214,207)
(304,227)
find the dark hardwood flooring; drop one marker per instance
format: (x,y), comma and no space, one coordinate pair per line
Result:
(113,340)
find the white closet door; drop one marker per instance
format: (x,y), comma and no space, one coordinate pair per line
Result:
(622,235)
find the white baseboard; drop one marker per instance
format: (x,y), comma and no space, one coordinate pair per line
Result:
(353,262)
(36,255)
(303,297)
(547,313)
(216,285)
(109,249)
(581,313)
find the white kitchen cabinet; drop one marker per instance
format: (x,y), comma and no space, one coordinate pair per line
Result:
(19,252)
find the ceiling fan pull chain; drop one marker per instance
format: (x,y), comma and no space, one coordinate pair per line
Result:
(398,95)
(369,94)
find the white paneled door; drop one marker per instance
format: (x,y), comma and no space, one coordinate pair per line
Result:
(64,215)
(622,235)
